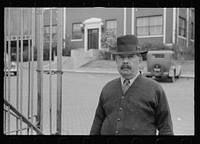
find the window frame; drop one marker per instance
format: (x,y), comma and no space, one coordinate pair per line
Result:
(149,26)
(182,28)
(80,32)
(192,31)
(112,29)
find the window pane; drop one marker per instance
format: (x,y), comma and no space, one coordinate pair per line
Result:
(182,27)
(54,29)
(142,31)
(156,20)
(111,24)
(142,21)
(155,30)
(158,56)
(46,30)
(76,31)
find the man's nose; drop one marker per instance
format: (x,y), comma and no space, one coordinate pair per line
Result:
(125,60)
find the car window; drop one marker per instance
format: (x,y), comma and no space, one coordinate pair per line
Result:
(154,56)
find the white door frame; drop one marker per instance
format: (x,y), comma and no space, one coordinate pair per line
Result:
(92,23)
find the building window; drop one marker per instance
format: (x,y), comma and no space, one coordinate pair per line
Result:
(47,33)
(111,26)
(47,29)
(192,30)
(76,31)
(182,27)
(147,26)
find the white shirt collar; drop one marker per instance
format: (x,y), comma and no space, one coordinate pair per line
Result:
(131,80)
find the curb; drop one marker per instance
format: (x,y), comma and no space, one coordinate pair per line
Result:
(112,72)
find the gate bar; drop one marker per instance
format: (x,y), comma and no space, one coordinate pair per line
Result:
(9,65)
(22,117)
(17,82)
(21,64)
(32,61)
(59,68)
(5,63)
(50,76)
(39,42)
(29,57)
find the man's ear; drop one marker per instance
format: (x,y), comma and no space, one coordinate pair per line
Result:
(140,58)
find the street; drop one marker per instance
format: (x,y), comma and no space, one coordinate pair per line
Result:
(80,93)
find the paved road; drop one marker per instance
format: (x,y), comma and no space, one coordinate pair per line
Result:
(80,96)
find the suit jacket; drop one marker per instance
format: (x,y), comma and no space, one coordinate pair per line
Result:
(142,110)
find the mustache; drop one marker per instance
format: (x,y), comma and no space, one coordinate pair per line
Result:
(125,67)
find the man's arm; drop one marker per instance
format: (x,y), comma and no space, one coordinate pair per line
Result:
(98,119)
(163,115)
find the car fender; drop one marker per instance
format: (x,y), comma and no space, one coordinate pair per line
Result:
(178,70)
(171,71)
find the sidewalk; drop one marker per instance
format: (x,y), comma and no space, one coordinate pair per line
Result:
(109,67)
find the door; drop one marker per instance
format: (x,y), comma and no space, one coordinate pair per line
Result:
(93,38)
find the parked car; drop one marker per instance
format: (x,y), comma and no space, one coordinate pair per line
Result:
(160,64)
(13,66)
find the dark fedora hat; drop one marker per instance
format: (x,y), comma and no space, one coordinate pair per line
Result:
(127,44)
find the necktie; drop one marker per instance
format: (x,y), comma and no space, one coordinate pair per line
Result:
(125,85)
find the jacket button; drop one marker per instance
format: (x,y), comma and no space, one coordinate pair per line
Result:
(118,119)
(117,132)
(123,97)
(120,108)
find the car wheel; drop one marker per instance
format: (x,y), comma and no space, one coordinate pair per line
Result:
(179,75)
(172,78)
(157,70)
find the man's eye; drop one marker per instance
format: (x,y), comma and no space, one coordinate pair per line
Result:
(131,56)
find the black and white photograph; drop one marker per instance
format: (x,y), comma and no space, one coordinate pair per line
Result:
(99,71)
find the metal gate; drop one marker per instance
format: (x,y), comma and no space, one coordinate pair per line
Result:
(28,96)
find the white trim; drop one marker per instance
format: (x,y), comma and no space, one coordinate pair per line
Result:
(150,36)
(92,23)
(182,37)
(124,21)
(75,40)
(64,24)
(164,25)
(187,30)
(174,26)
(177,27)
(169,44)
(133,21)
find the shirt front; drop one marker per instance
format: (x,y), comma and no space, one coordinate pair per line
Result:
(131,80)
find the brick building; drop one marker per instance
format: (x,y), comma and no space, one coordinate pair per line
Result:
(84,26)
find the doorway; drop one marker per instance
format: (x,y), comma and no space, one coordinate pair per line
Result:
(93,38)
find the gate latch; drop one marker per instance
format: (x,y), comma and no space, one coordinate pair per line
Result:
(53,72)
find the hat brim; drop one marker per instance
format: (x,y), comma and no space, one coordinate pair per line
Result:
(127,52)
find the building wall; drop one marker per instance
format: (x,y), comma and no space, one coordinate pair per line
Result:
(182,41)
(169,26)
(47,17)
(144,12)
(128,20)
(156,40)
(74,15)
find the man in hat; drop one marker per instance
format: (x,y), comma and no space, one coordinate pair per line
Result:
(131,104)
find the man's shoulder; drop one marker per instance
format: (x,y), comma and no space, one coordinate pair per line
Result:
(112,83)
(149,81)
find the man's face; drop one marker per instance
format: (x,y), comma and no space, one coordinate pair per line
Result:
(128,65)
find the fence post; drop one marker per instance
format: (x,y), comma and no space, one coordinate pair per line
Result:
(59,68)
(39,45)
